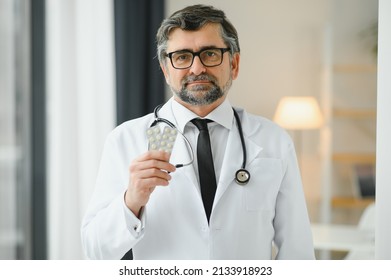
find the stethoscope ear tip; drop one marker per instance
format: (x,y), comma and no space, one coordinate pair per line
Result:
(242,176)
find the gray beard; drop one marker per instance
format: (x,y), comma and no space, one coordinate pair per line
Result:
(210,94)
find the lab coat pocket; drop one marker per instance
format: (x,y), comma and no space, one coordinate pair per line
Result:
(261,192)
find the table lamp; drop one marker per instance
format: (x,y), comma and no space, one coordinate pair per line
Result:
(298,113)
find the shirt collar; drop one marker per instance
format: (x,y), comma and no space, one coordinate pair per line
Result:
(222,115)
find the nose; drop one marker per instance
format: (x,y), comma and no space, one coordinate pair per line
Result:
(197,67)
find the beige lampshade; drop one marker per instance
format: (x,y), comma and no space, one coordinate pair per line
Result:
(301,112)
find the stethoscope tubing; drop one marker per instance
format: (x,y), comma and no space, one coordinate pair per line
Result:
(242,172)
(239,124)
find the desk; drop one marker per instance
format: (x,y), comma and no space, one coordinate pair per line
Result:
(342,238)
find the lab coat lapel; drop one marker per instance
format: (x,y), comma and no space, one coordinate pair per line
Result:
(233,158)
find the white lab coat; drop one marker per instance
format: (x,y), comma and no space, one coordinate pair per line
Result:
(245,220)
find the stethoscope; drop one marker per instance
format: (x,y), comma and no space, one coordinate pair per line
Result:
(242,176)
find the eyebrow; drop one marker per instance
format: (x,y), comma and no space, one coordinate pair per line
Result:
(200,50)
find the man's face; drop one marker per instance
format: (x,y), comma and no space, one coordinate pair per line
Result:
(200,85)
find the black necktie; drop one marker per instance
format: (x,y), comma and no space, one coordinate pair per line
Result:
(206,169)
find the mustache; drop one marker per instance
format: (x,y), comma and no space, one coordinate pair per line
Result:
(202,77)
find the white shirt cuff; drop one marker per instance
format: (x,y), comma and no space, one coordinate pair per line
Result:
(135,225)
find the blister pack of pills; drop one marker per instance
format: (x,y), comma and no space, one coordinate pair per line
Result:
(161,141)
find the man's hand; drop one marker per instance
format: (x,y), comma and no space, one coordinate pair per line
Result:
(146,172)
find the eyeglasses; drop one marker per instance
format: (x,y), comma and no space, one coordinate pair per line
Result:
(185,58)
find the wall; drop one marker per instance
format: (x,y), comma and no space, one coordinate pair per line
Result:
(280,49)
(383,175)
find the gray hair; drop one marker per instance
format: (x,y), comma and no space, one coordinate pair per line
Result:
(193,18)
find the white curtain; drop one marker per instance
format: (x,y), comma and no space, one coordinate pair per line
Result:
(80,112)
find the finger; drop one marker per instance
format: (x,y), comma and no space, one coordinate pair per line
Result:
(158,155)
(145,179)
(152,173)
(153,159)
(152,164)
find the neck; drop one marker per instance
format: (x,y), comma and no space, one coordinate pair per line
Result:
(200,110)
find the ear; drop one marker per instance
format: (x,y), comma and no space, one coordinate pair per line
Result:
(165,72)
(235,65)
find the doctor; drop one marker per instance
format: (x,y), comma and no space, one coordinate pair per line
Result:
(144,203)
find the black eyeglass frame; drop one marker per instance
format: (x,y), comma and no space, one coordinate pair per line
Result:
(223,50)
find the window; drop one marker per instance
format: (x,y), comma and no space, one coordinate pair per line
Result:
(14,130)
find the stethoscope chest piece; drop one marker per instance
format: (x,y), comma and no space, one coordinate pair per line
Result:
(242,176)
